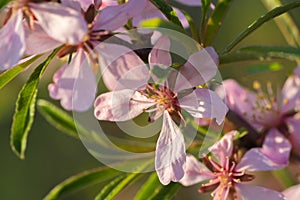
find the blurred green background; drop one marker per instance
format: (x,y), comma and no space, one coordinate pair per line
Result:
(52,156)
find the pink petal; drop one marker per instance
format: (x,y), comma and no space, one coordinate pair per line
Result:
(170,152)
(297,71)
(181,18)
(84,4)
(273,155)
(240,100)
(121,67)
(113,17)
(75,84)
(119,106)
(204,103)
(12,46)
(223,148)
(291,93)
(61,23)
(160,55)
(221,193)
(292,193)
(250,192)
(192,172)
(294,130)
(38,41)
(199,69)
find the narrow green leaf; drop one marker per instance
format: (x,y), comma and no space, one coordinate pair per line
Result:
(109,187)
(118,185)
(284,177)
(261,53)
(81,181)
(150,188)
(168,11)
(57,117)
(193,28)
(215,21)
(154,190)
(160,23)
(285,23)
(3,3)
(10,74)
(25,108)
(259,22)
(260,68)
(204,12)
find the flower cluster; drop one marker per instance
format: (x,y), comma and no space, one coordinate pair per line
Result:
(155,82)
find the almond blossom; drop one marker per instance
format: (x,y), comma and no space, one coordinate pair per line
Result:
(77,77)
(226,173)
(138,90)
(52,17)
(268,113)
(292,193)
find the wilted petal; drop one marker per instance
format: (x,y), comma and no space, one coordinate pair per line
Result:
(200,68)
(113,17)
(192,172)
(204,103)
(60,22)
(291,93)
(120,105)
(170,154)
(159,54)
(250,192)
(121,67)
(38,41)
(12,46)
(75,84)
(273,155)
(292,193)
(223,148)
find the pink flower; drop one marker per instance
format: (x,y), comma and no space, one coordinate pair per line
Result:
(75,84)
(266,112)
(226,175)
(53,18)
(133,94)
(292,193)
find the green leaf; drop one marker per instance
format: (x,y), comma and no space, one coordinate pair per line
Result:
(285,23)
(215,21)
(153,189)
(10,74)
(261,53)
(3,3)
(204,9)
(57,117)
(260,68)
(117,185)
(168,11)
(259,22)
(81,181)
(160,23)
(25,109)
(193,27)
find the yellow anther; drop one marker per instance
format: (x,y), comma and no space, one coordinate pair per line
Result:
(256,85)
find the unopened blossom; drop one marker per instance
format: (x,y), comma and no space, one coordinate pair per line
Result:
(269,111)
(226,174)
(134,93)
(60,23)
(75,83)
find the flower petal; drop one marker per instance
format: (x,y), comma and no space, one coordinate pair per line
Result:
(223,148)
(250,192)
(273,155)
(170,154)
(204,103)
(192,172)
(121,105)
(60,22)
(121,67)
(159,54)
(38,41)
(113,17)
(75,84)
(292,193)
(12,46)
(200,68)
(294,130)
